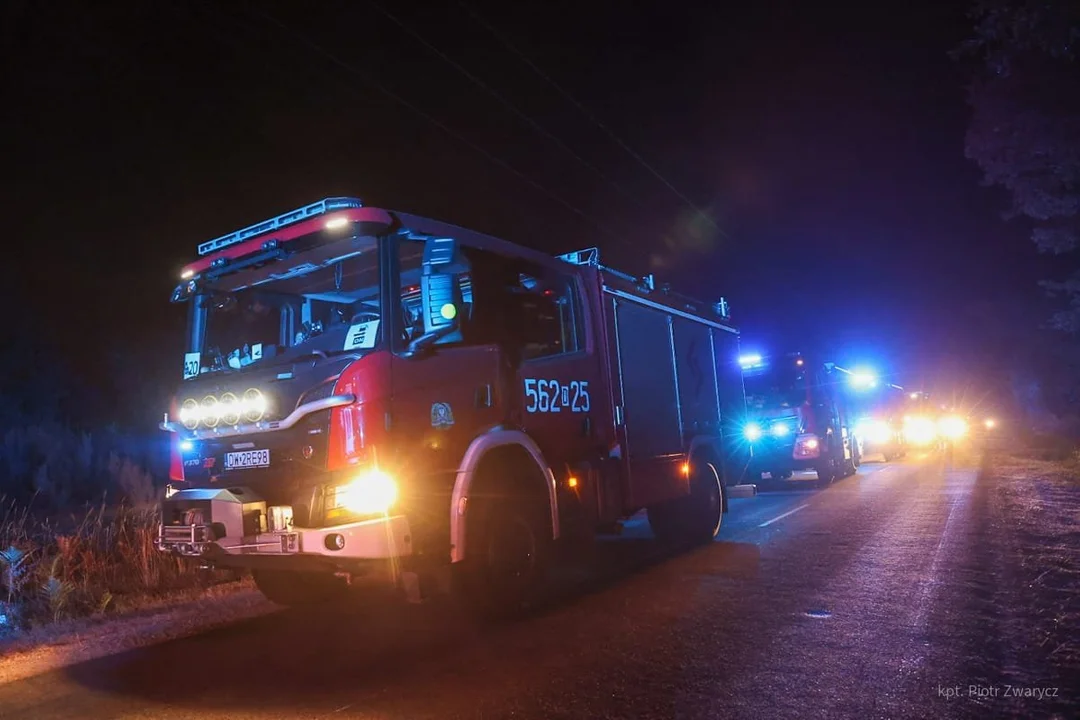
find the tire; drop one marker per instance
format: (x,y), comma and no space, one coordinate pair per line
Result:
(695,518)
(848,468)
(509,553)
(294,588)
(825,474)
(665,522)
(706,512)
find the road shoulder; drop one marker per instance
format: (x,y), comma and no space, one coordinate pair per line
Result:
(56,646)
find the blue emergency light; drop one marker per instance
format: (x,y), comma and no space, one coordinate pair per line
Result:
(290,218)
(753,360)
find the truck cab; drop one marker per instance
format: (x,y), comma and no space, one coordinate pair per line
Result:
(371,393)
(797,418)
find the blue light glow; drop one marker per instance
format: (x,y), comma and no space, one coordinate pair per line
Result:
(186,446)
(863,379)
(752,431)
(781,429)
(748,361)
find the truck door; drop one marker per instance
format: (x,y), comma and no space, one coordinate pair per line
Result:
(559,372)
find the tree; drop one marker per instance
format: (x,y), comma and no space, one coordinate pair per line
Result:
(1025,127)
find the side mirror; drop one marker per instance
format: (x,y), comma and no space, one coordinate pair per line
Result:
(440,292)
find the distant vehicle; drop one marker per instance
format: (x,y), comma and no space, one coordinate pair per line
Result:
(879,425)
(366,390)
(798,418)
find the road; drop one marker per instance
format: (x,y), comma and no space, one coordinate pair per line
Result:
(852,601)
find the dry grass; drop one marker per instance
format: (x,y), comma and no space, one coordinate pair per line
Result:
(96,562)
(1042,502)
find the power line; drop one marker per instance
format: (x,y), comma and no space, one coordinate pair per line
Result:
(521,114)
(585,111)
(314,46)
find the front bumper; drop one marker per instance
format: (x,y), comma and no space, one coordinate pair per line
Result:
(780,458)
(234,525)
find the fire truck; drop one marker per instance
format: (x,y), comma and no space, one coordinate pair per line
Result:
(368,393)
(798,418)
(879,425)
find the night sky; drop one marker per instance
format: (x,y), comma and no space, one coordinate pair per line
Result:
(827,145)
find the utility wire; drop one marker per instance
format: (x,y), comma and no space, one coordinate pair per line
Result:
(319,49)
(521,114)
(585,111)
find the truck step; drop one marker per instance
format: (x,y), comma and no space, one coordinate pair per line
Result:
(746,490)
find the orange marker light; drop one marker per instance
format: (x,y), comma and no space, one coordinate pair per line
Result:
(685,468)
(571,481)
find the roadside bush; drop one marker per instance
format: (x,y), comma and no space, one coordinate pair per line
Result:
(83,564)
(1051,447)
(54,467)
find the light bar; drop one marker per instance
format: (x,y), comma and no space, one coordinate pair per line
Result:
(308,211)
(750,361)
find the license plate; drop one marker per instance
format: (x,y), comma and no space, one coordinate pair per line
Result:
(247,459)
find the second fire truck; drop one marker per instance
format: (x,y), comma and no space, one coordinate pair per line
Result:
(798,418)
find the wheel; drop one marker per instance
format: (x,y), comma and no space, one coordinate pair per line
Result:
(695,518)
(509,551)
(665,521)
(294,588)
(825,474)
(848,467)
(706,512)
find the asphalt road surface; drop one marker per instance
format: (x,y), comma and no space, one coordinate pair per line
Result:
(845,602)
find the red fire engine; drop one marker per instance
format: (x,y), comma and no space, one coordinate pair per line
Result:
(367,389)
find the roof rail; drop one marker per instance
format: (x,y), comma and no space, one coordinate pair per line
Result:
(591,257)
(588,256)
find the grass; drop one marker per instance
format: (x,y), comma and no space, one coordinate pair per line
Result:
(1040,498)
(99,561)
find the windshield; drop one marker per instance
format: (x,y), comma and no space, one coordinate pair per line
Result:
(778,388)
(323,301)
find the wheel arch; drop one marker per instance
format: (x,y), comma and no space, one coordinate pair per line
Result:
(484,447)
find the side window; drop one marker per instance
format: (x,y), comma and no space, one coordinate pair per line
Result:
(410,260)
(505,299)
(551,315)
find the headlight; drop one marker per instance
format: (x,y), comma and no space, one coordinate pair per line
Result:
(211,413)
(920,430)
(953,427)
(230,409)
(253,405)
(190,414)
(879,432)
(373,492)
(752,431)
(781,429)
(226,410)
(807,446)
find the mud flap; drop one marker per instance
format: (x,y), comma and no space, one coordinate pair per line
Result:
(419,587)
